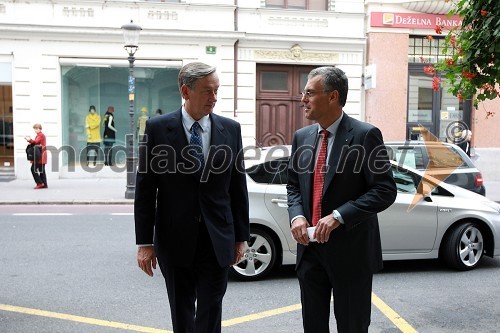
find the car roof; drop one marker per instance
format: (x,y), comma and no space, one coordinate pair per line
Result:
(255,155)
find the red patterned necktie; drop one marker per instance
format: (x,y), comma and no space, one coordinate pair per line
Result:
(319,178)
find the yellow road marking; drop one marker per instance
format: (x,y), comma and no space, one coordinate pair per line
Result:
(260,315)
(395,318)
(79,319)
(392,315)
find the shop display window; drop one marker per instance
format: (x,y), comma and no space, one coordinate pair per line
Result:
(83,86)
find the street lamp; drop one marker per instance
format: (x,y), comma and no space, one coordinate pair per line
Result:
(131,35)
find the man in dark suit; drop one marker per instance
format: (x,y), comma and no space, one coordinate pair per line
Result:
(191,202)
(339,178)
(464,141)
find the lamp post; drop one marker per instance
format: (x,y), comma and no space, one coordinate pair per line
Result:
(131,35)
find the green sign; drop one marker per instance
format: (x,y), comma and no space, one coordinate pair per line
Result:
(210,49)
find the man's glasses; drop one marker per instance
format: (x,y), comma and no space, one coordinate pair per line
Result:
(312,93)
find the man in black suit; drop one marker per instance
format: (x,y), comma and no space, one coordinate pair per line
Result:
(464,142)
(341,199)
(191,202)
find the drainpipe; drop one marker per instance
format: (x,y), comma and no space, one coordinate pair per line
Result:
(235,85)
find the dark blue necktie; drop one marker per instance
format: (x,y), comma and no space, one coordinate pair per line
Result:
(197,144)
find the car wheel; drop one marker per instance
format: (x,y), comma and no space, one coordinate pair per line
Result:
(464,246)
(259,258)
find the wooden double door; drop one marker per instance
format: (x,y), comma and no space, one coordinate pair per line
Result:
(279,109)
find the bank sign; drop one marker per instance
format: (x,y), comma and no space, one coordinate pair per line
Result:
(414,21)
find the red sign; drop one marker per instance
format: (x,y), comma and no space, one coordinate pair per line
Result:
(411,20)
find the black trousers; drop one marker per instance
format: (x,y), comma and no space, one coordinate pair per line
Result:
(319,282)
(203,282)
(108,152)
(93,149)
(38,172)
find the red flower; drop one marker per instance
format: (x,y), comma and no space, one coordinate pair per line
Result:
(483,13)
(429,70)
(450,62)
(430,38)
(488,87)
(422,59)
(435,83)
(439,29)
(468,75)
(453,40)
(460,97)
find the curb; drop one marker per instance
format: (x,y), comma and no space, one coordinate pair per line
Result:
(74,202)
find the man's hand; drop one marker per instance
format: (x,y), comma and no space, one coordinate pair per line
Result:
(146,259)
(324,227)
(299,230)
(239,252)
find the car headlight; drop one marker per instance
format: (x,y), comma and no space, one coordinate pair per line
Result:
(493,205)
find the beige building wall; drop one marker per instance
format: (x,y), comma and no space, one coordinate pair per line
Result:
(386,103)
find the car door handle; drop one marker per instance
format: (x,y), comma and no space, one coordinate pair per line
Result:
(280,202)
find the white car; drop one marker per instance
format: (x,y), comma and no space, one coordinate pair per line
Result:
(451,223)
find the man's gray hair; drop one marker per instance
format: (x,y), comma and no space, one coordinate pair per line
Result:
(333,79)
(193,71)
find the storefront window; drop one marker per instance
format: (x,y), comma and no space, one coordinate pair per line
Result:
(451,111)
(6,116)
(435,110)
(421,49)
(83,86)
(420,99)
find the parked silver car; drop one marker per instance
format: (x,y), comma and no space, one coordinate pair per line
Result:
(451,223)
(449,162)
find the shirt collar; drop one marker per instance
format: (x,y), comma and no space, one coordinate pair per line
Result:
(189,121)
(332,129)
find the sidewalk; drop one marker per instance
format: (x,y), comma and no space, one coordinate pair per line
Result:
(99,191)
(66,191)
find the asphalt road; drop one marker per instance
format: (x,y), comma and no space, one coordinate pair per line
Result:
(72,269)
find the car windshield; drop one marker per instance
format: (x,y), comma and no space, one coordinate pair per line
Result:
(440,156)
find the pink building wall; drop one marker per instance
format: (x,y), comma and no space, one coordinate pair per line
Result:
(486,131)
(386,103)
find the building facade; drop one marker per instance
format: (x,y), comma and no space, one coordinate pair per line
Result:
(401,40)
(57,58)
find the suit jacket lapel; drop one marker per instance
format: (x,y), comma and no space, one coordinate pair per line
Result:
(218,141)
(175,133)
(307,161)
(218,133)
(342,138)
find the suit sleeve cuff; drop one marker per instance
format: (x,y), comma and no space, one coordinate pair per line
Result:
(296,217)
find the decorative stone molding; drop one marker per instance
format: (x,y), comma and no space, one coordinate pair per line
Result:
(296,53)
(298,22)
(163,15)
(78,12)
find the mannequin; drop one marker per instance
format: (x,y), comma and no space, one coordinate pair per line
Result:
(141,122)
(92,122)
(109,135)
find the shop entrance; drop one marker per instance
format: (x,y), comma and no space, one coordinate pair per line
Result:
(438,111)
(6,126)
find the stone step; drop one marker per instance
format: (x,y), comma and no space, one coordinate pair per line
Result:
(7,174)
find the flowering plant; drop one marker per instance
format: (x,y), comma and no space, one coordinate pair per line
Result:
(472,52)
